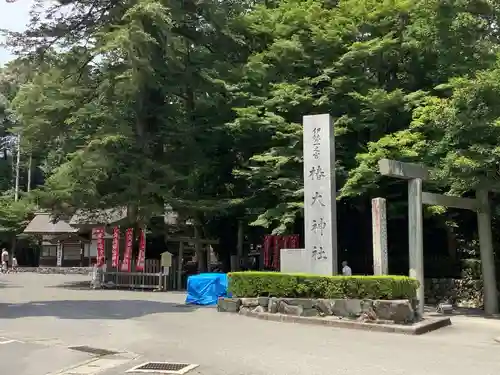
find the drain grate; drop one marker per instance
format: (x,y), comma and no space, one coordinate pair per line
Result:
(91,350)
(164,368)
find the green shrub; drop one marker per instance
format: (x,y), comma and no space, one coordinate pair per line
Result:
(471,269)
(275,284)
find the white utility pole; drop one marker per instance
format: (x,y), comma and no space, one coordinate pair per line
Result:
(18,160)
(30,162)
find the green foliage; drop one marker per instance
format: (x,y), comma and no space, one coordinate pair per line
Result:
(372,65)
(471,269)
(255,284)
(199,105)
(14,216)
(142,125)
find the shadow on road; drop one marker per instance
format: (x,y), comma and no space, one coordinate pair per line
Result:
(107,309)
(85,285)
(7,285)
(74,285)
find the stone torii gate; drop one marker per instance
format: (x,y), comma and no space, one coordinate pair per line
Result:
(415,174)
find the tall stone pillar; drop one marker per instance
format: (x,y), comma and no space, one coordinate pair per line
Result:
(415,238)
(320,195)
(487,256)
(379,231)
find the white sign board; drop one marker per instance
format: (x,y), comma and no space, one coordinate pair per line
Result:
(59,254)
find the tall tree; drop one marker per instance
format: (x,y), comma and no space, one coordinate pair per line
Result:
(369,64)
(135,115)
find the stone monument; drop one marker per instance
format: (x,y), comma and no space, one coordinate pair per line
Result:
(320,217)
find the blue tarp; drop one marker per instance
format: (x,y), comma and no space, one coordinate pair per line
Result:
(206,288)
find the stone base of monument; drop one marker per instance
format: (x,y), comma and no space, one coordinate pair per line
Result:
(295,261)
(375,315)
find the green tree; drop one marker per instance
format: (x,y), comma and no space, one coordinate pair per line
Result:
(135,117)
(367,63)
(14,215)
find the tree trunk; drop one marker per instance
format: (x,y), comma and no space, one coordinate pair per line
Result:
(30,161)
(451,241)
(13,246)
(240,244)
(202,259)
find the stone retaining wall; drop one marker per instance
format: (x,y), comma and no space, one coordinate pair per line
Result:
(57,270)
(459,292)
(381,311)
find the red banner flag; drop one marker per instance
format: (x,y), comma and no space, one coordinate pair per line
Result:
(99,234)
(268,240)
(294,241)
(286,242)
(141,257)
(278,245)
(115,255)
(127,256)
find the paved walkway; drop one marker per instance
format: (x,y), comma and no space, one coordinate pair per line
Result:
(48,313)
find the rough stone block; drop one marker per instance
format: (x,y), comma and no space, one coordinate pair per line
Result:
(250,302)
(310,312)
(398,311)
(244,310)
(287,309)
(353,307)
(383,309)
(324,306)
(367,317)
(228,304)
(264,301)
(350,307)
(259,309)
(306,303)
(402,312)
(445,308)
(339,307)
(272,307)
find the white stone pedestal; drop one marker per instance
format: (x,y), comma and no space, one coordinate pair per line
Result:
(295,261)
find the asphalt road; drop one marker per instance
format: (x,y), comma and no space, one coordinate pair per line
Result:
(46,314)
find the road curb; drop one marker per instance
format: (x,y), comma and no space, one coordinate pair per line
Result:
(425,326)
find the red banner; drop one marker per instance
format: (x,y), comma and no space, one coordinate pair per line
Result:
(268,240)
(285,243)
(99,233)
(127,256)
(293,241)
(115,255)
(278,245)
(141,257)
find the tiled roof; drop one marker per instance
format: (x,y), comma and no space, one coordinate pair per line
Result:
(44,223)
(98,217)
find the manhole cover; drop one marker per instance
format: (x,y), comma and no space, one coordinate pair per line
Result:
(164,368)
(96,351)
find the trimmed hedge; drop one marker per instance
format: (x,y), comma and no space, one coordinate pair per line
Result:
(275,284)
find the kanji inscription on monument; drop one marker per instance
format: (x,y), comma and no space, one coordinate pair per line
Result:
(320,194)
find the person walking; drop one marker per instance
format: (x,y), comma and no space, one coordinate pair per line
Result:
(14,264)
(5,260)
